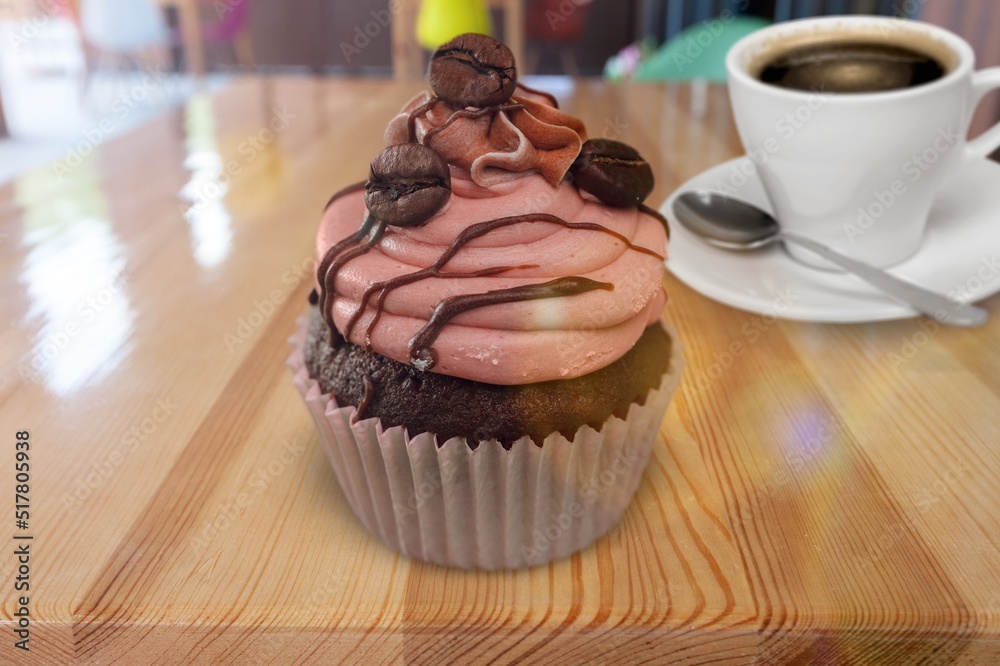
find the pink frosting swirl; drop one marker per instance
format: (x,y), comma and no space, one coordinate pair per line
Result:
(531,136)
(507,162)
(512,343)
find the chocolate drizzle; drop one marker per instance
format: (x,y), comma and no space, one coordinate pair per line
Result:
(471,114)
(336,257)
(411,120)
(384,289)
(652,212)
(541,93)
(366,400)
(468,113)
(469,234)
(313,297)
(344,192)
(423,356)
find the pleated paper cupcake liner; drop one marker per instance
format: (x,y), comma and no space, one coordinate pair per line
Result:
(488,507)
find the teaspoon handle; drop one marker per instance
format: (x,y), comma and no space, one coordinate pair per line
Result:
(927,302)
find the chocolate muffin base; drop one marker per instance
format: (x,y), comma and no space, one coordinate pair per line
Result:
(401,395)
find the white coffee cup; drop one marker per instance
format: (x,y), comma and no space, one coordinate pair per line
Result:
(858,171)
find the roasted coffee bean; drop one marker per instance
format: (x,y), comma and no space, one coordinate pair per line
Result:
(473,70)
(407,185)
(613,172)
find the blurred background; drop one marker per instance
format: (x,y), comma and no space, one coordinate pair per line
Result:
(65,64)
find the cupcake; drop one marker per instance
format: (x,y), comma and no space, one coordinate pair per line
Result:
(485,358)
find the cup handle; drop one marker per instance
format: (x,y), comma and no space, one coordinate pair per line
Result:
(983,82)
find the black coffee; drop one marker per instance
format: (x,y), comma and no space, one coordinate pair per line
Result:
(851,67)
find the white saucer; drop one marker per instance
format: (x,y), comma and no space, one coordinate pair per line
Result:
(960,257)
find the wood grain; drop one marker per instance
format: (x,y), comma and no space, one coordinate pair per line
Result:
(812,500)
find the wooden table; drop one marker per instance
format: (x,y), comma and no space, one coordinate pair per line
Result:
(810,502)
